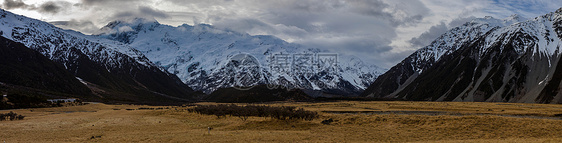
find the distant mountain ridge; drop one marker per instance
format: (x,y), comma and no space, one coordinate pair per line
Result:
(506,61)
(200,56)
(260,93)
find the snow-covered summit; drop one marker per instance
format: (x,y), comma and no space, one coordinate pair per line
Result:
(514,19)
(542,28)
(406,71)
(113,67)
(198,55)
(487,59)
(48,39)
(458,36)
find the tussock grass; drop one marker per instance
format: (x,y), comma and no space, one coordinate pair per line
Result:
(177,124)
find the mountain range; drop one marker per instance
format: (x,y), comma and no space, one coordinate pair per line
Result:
(486,59)
(202,56)
(141,60)
(113,71)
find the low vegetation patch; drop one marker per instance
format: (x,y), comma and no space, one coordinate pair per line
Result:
(243,112)
(19,101)
(10,116)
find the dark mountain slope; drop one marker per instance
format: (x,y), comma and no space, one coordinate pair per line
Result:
(260,93)
(23,67)
(514,63)
(117,72)
(408,69)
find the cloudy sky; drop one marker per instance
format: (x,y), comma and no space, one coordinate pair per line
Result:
(380,32)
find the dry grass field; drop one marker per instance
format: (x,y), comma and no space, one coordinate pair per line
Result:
(371,121)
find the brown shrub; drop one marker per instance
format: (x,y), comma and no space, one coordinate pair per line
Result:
(243,112)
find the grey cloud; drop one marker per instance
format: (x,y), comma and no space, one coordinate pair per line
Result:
(525,8)
(371,50)
(49,7)
(141,12)
(370,7)
(314,6)
(111,2)
(404,12)
(408,12)
(152,12)
(13,4)
(388,59)
(334,30)
(245,25)
(124,14)
(351,45)
(202,3)
(427,37)
(460,21)
(110,7)
(255,26)
(364,28)
(89,2)
(437,30)
(84,26)
(326,17)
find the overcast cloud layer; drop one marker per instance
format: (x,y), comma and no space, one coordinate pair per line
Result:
(380,32)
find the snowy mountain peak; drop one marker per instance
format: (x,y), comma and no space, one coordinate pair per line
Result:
(485,20)
(487,59)
(454,38)
(355,61)
(134,25)
(134,22)
(493,22)
(417,63)
(543,29)
(110,64)
(126,30)
(201,56)
(28,31)
(513,19)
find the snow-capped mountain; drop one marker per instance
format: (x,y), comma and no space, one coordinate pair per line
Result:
(406,71)
(112,68)
(503,61)
(207,58)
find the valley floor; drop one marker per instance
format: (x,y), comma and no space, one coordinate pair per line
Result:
(353,122)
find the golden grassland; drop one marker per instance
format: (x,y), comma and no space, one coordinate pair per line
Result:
(462,122)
